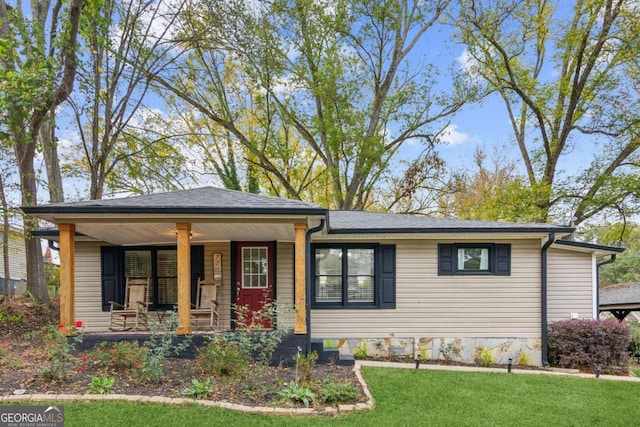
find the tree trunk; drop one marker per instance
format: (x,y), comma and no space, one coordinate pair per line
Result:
(36,283)
(51,160)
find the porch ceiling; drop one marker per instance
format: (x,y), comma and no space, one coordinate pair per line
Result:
(148,233)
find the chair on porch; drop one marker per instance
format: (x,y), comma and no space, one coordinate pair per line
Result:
(206,306)
(134,312)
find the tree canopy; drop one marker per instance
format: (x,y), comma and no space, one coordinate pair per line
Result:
(568,78)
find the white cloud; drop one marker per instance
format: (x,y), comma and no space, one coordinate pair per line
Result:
(450,135)
(469,65)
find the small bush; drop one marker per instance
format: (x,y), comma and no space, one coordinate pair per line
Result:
(60,358)
(223,357)
(451,351)
(162,343)
(120,356)
(524,360)
(585,344)
(305,365)
(361,350)
(486,356)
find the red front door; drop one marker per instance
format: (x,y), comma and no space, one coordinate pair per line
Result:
(255,276)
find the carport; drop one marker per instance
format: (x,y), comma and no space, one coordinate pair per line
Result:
(620,300)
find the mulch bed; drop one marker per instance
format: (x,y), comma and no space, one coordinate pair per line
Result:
(21,367)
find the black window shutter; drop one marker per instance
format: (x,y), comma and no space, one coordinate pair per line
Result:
(445,259)
(197,269)
(503,260)
(387,276)
(112,283)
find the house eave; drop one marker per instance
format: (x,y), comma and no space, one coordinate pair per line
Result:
(453,230)
(599,250)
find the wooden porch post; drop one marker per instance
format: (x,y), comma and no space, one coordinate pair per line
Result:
(67,278)
(184,278)
(300,279)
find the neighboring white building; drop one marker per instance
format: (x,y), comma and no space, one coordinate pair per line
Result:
(17,260)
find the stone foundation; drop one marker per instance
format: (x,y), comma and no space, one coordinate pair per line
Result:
(522,351)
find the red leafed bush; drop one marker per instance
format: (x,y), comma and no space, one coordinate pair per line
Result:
(586,344)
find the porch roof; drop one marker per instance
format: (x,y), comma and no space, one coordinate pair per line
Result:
(196,201)
(216,214)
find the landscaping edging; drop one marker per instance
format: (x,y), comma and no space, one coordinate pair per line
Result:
(327,410)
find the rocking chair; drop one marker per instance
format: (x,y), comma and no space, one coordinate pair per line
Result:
(206,303)
(134,312)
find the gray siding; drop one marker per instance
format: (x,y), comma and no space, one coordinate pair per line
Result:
(428,305)
(570,284)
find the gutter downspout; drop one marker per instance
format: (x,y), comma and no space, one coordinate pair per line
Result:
(543,296)
(307,285)
(598,265)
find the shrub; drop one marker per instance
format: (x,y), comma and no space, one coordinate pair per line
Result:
(486,356)
(586,344)
(305,364)
(161,344)
(222,356)
(252,335)
(60,359)
(524,360)
(120,356)
(451,351)
(361,351)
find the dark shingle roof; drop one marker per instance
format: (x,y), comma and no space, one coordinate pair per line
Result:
(194,201)
(620,294)
(370,222)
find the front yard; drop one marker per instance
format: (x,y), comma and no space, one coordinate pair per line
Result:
(409,397)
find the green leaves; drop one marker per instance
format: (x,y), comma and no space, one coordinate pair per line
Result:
(564,76)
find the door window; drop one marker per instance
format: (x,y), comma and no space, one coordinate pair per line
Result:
(255,267)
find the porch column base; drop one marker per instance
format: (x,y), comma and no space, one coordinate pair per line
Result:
(183,330)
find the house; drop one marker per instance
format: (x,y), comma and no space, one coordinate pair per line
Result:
(17,261)
(373,283)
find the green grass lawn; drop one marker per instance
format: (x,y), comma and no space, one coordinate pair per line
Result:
(415,398)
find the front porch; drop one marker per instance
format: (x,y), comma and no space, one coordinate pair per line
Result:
(254,245)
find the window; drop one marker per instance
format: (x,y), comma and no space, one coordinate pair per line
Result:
(160,263)
(353,276)
(470,259)
(473,259)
